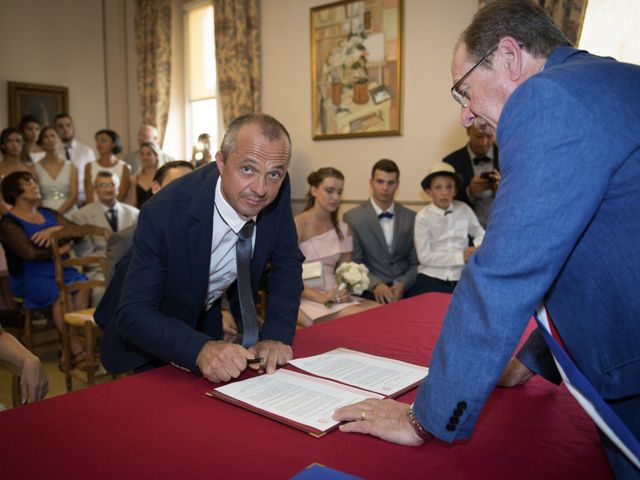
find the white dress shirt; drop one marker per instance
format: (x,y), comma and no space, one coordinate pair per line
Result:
(386,223)
(80,154)
(223,270)
(440,238)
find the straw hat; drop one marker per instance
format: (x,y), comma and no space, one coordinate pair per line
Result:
(441,168)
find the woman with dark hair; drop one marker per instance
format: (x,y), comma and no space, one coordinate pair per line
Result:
(149,155)
(58,178)
(108,145)
(323,238)
(29,127)
(25,232)
(11,143)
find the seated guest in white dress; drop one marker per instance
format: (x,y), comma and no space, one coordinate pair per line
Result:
(322,238)
(108,145)
(57,177)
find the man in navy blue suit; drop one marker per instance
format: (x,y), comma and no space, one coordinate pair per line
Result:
(165,307)
(563,230)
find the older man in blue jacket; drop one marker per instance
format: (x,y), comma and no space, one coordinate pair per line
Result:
(563,228)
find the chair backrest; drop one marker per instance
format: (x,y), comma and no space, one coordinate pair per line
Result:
(58,239)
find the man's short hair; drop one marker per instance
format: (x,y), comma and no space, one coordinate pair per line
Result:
(271,129)
(529,24)
(61,115)
(107,174)
(11,185)
(162,171)
(385,165)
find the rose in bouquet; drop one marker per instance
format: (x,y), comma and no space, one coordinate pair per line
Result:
(353,277)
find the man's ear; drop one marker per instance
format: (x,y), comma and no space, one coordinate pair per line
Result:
(155,187)
(219,161)
(513,57)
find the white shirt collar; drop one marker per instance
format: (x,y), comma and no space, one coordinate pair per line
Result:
(106,208)
(378,210)
(226,211)
(473,155)
(440,212)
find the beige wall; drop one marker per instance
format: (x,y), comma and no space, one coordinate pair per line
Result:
(430,119)
(56,43)
(62,43)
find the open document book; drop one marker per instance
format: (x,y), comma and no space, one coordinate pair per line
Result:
(333,379)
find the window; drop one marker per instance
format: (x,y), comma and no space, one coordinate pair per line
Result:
(200,69)
(610,28)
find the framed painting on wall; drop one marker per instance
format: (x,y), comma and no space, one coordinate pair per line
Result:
(42,101)
(356,69)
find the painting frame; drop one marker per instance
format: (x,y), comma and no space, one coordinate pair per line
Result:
(356,69)
(42,101)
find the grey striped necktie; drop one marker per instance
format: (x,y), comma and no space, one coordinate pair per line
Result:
(247,304)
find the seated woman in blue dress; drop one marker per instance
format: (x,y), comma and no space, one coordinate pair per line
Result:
(25,232)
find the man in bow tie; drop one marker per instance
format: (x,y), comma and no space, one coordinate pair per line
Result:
(477,163)
(383,237)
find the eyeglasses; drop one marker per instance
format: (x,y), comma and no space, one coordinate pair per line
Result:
(457,95)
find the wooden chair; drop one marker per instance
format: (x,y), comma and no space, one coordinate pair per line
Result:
(78,325)
(30,327)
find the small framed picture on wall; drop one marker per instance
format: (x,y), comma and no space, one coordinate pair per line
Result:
(42,101)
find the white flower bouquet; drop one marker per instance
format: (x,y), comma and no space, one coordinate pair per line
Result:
(353,277)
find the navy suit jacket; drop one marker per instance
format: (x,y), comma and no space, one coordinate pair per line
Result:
(153,310)
(563,230)
(460,160)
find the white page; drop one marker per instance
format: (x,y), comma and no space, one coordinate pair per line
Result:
(298,397)
(377,374)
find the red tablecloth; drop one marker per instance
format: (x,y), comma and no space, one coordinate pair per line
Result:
(160,424)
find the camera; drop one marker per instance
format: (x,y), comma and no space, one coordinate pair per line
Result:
(487,176)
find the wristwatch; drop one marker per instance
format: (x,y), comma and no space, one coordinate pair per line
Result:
(421,432)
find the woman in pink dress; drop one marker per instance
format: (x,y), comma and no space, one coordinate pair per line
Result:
(323,238)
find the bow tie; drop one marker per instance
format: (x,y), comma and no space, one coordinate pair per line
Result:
(479,160)
(385,215)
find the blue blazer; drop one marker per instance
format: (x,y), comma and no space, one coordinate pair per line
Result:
(153,307)
(564,228)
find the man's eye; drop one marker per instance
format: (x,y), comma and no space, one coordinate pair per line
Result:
(246,169)
(274,175)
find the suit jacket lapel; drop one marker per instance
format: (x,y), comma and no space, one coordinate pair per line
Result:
(377,229)
(98,217)
(200,234)
(398,223)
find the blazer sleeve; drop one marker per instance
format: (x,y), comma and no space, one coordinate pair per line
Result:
(116,247)
(84,246)
(536,222)
(285,278)
(138,318)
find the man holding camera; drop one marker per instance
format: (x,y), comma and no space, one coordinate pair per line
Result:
(477,163)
